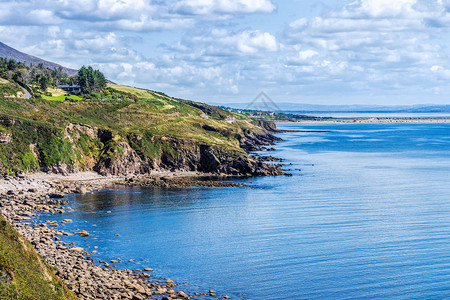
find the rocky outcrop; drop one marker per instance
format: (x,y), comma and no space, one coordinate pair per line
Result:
(5,138)
(60,168)
(119,159)
(79,147)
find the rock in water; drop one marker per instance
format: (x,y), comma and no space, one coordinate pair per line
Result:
(83,233)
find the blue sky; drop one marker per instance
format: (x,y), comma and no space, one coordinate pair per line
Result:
(318,52)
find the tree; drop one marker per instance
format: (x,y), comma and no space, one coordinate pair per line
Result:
(90,80)
(43,82)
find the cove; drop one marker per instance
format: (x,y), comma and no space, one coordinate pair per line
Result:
(365,214)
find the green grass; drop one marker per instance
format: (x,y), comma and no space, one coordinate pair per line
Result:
(8,89)
(23,275)
(62,98)
(148,114)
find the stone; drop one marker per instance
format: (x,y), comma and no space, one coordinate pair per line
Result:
(83,233)
(77,249)
(56,195)
(182,294)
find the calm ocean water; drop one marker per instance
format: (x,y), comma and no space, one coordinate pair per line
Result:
(366,216)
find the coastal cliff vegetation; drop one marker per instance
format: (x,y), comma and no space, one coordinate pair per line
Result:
(116,129)
(23,274)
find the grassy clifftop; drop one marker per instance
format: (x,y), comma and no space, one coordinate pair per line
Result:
(23,275)
(134,129)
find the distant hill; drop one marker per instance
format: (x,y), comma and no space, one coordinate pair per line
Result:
(314,108)
(9,52)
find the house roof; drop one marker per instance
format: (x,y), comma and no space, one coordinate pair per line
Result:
(65,86)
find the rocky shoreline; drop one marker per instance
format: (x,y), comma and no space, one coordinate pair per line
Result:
(23,197)
(74,265)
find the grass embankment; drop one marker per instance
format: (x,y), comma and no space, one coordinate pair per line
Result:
(142,118)
(23,275)
(9,89)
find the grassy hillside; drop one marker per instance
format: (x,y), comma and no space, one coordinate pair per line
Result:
(22,273)
(9,89)
(145,120)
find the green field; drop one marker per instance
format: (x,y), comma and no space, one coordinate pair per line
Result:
(62,98)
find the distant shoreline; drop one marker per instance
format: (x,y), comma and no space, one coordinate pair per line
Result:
(373,120)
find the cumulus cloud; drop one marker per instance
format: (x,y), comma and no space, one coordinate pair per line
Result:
(224,43)
(19,13)
(209,47)
(380,40)
(381,8)
(208,7)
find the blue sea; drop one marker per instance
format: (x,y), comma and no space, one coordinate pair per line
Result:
(366,214)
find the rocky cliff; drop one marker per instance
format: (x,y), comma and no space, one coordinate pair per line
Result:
(129,138)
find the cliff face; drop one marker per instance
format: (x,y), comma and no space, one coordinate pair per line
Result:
(151,132)
(80,147)
(180,154)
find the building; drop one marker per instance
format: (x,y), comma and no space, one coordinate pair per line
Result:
(73,89)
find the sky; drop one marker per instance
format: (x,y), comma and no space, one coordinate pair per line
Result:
(226,51)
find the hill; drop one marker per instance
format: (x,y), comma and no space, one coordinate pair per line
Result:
(140,132)
(9,52)
(116,129)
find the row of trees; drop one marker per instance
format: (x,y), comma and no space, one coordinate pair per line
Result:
(32,75)
(39,76)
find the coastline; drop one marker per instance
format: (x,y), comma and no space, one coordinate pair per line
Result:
(24,196)
(73,265)
(375,120)
(27,196)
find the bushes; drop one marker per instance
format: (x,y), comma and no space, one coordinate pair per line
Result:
(53,148)
(29,161)
(9,90)
(148,146)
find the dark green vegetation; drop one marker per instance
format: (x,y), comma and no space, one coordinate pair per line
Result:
(42,82)
(23,275)
(35,78)
(90,80)
(271,116)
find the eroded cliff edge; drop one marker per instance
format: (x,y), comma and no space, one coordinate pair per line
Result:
(126,137)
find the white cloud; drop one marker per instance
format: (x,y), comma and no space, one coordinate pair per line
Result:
(224,42)
(206,7)
(381,8)
(208,47)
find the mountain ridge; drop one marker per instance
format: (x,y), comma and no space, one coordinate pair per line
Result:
(9,52)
